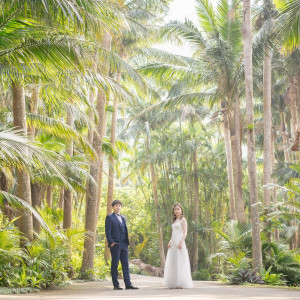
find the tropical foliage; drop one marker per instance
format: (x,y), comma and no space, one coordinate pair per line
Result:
(91,110)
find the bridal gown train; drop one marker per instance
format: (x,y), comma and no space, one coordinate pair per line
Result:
(177,267)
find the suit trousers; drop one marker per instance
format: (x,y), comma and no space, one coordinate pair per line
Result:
(119,252)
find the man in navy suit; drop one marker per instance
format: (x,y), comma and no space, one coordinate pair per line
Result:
(117,238)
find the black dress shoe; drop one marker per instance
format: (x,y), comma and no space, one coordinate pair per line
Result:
(131,287)
(117,288)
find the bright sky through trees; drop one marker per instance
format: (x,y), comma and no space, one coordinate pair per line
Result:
(180,10)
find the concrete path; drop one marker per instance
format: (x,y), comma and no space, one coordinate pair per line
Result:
(150,288)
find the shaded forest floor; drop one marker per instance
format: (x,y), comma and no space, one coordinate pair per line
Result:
(150,288)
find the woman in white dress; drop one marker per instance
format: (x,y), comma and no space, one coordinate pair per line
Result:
(177,272)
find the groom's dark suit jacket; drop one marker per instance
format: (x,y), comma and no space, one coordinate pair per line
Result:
(113,230)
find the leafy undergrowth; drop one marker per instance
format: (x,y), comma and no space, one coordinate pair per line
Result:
(10,291)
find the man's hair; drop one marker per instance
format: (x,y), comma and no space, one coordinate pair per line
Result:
(116,202)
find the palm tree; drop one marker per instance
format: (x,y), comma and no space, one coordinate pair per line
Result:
(217,60)
(253,193)
(289,23)
(24,44)
(267,88)
(67,223)
(92,196)
(20,152)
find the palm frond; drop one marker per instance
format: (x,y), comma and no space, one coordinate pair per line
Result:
(21,204)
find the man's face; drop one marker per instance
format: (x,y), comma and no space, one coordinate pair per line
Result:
(117,208)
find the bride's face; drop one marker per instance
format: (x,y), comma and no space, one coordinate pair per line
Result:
(177,211)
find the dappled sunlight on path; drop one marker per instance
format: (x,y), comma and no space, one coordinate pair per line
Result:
(151,288)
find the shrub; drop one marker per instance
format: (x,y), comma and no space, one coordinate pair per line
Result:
(271,278)
(283,261)
(240,276)
(201,274)
(240,271)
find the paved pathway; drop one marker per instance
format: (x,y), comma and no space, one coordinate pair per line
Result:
(150,288)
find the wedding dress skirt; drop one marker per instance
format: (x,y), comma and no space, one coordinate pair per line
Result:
(177,272)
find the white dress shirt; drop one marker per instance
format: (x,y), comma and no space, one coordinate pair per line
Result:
(119,218)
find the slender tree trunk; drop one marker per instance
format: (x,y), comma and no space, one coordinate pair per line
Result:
(91,116)
(104,125)
(111,170)
(110,189)
(8,211)
(195,213)
(284,137)
(267,149)
(111,173)
(92,196)
(229,161)
(33,108)
(67,222)
(36,191)
(23,178)
(91,217)
(103,133)
(298,99)
(293,93)
(253,192)
(237,164)
(274,194)
(159,225)
(293,107)
(61,198)
(49,197)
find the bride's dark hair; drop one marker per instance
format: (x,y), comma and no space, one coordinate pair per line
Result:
(174,216)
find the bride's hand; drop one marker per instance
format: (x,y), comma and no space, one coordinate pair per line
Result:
(180,245)
(169,245)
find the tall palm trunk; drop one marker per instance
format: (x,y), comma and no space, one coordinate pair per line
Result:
(103,133)
(8,211)
(91,116)
(253,192)
(23,178)
(111,171)
(293,93)
(229,160)
(284,136)
(61,198)
(274,195)
(267,149)
(90,138)
(67,221)
(91,216)
(49,196)
(293,106)
(158,220)
(195,212)
(36,197)
(33,107)
(36,188)
(298,99)
(237,164)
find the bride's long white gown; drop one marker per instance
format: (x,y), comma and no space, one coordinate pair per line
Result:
(177,267)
